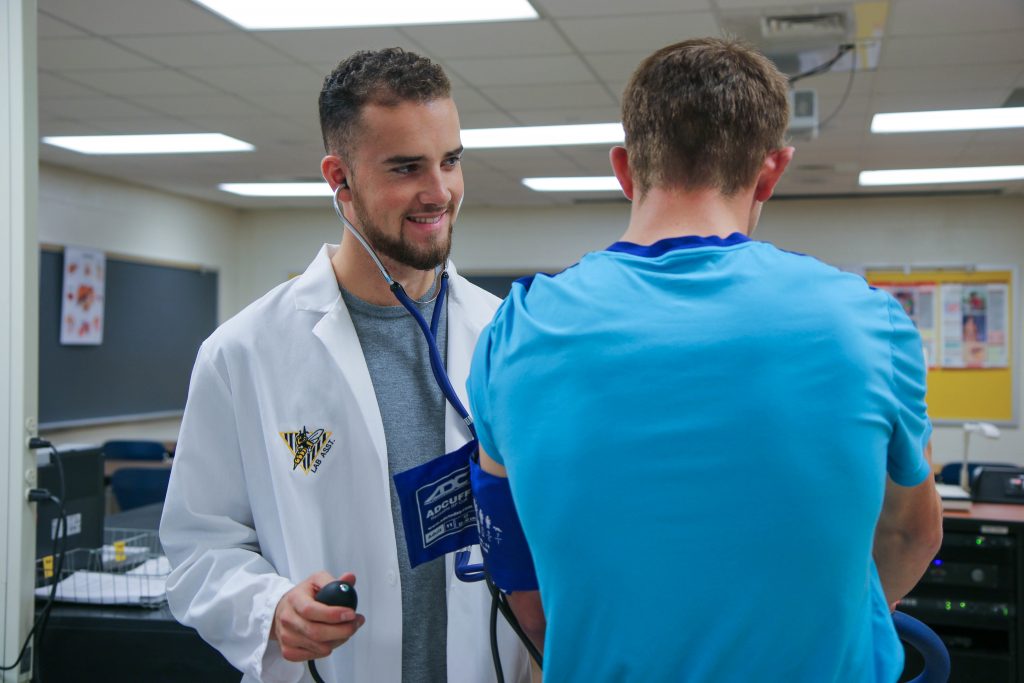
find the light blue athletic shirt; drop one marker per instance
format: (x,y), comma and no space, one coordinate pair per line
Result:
(697,434)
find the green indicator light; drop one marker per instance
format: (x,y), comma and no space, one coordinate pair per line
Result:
(949,605)
(979,540)
(1006,612)
(963,605)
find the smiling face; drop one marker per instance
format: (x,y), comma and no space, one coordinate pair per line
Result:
(405,176)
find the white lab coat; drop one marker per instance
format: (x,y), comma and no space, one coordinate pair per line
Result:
(241,525)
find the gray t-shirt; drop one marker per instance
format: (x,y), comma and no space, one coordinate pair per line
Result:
(413,410)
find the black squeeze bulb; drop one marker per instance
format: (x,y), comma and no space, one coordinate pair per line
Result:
(338,594)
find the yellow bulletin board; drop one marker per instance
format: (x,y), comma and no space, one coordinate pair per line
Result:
(980,382)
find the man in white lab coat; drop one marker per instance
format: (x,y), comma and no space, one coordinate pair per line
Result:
(304,405)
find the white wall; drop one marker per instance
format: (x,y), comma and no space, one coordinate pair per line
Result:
(965,229)
(91,211)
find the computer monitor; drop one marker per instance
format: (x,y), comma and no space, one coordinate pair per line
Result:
(84,499)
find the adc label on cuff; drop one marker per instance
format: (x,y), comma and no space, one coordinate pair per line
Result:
(437,506)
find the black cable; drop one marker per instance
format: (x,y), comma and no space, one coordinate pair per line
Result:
(822,68)
(62,537)
(495,655)
(314,673)
(842,101)
(513,622)
(41,495)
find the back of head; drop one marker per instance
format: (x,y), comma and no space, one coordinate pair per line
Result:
(386,77)
(703,114)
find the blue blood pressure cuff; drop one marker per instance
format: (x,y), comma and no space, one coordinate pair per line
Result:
(506,554)
(437,506)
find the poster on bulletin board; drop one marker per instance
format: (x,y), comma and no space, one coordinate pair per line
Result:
(965,318)
(83,293)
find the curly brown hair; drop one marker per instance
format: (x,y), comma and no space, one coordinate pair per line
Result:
(703,113)
(387,77)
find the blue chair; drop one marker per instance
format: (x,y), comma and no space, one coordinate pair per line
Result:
(134,450)
(926,642)
(950,473)
(137,486)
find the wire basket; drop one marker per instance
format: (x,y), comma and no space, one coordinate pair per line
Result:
(129,569)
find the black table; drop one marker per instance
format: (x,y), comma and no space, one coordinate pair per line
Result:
(127,644)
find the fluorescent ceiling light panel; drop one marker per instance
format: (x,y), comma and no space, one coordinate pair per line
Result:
(315,189)
(268,15)
(543,136)
(189,143)
(580,184)
(953,119)
(926,176)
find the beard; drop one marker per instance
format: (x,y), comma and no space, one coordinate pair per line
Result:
(400,250)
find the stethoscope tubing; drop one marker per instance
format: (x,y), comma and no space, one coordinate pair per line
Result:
(429,331)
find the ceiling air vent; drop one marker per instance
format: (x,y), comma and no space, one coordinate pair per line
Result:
(799,27)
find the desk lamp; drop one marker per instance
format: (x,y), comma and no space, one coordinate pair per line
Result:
(987,430)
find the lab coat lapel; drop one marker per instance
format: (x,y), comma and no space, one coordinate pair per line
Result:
(462,335)
(337,333)
(317,290)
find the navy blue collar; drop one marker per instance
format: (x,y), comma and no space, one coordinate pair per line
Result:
(662,247)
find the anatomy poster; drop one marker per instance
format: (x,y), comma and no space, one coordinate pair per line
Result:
(974,325)
(918,301)
(85,273)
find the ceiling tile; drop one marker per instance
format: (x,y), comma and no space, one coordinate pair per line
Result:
(949,78)
(242,80)
(140,82)
(330,46)
(489,40)
(87,108)
(598,8)
(482,119)
(263,130)
(58,124)
(637,33)
(135,17)
(53,87)
(153,125)
(471,100)
(520,163)
(566,115)
(521,71)
(617,66)
(76,54)
(549,96)
(48,27)
(227,49)
(300,106)
(780,6)
(938,99)
(953,50)
(202,105)
(945,17)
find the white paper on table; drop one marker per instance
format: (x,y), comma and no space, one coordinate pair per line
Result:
(103,588)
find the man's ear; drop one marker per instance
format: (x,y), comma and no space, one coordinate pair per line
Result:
(771,171)
(620,167)
(335,171)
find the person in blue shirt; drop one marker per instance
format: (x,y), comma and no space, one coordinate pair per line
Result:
(718,450)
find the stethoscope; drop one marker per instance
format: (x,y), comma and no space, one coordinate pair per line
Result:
(463,569)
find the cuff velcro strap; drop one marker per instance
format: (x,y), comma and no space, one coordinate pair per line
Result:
(506,554)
